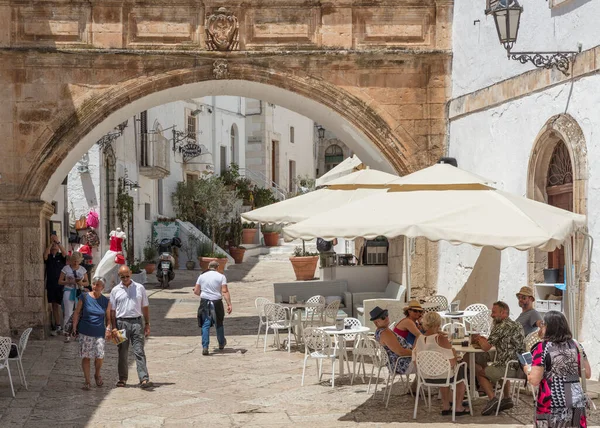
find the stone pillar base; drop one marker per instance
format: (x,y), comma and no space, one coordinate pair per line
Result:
(23,227)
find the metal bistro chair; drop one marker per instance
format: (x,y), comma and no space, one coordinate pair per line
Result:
(440,301)
(260,303)
(363,347)
(313,313)
(515,384)
(431,365)
(20,350)
(330,313)
(482,322)
(382,360)
(278,318)
(318,345)
(5,344)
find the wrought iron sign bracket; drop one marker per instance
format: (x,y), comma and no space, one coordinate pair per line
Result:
(186,145)
(109,138)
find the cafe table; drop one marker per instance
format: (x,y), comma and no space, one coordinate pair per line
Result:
(471,351)
(296,308)
(340,342)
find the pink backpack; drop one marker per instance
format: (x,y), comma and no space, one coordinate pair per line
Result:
(92,219)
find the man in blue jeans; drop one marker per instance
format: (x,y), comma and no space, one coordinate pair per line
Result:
(211,286)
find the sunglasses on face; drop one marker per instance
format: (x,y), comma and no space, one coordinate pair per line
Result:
(383,317)
(124,276)
(415,310)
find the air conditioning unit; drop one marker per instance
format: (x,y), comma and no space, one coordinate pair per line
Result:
(377,256)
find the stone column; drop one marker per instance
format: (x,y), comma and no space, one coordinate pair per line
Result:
(22,289)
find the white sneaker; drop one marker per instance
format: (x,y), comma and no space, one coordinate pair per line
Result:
(59,329)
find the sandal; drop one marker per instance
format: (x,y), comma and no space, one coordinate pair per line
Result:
(121,384)
(99,381)
(86,387)
(145,384)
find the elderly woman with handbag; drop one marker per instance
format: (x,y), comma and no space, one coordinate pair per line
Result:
(92,321)
(557,363)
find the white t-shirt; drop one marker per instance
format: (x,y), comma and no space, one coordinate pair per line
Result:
(210,285)
(127,302)
(80,272)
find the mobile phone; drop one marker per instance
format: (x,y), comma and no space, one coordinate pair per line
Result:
(53,232)
(525,359)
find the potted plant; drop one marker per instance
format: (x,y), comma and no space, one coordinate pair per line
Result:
(150,254)
(189,248)
(304,264)
(207,255)
(235,240)
(249,233)
(271,235)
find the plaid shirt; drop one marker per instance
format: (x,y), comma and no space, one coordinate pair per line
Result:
(509,339)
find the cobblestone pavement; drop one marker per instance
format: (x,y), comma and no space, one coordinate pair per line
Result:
(241,386)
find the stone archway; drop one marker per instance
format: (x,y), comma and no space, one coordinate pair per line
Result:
(75,69)
(560,132)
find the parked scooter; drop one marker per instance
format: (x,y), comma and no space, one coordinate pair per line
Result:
(166,262)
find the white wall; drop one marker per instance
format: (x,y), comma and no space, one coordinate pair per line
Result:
(497,144)
(479,59)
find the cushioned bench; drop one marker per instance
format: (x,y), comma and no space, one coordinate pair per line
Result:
(304,290)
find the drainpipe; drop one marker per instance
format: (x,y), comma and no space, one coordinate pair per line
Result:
(214,133)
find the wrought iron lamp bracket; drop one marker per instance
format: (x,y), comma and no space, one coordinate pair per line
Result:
(559,60)
(109,138)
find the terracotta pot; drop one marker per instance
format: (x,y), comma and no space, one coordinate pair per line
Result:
(190,264)
(204,261)
(304,267)
(150,267)
(271,239)
(248,236)
(237,253)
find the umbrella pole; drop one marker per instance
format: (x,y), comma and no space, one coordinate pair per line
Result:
(571,289)
(407,263)
(303,247)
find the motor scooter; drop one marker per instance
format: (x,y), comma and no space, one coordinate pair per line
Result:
(166,262)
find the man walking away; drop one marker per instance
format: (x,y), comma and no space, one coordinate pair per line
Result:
(129,302)
(211,286)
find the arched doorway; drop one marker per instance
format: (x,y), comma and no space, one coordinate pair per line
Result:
(333,156)
(558,175)
(559,188)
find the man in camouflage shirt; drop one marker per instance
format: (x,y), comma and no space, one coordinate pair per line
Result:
(508,338)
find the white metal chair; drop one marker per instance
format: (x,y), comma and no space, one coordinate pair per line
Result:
(318,345)
(278,318)
(382,360)
(330,313)
(432,365)
(480,323)
(260,302)
(440,301)
(515,384)
(313,313)
(5,344)
(459,328)
(20,350)
(363,347)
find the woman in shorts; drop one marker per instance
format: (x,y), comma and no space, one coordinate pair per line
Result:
(92,321)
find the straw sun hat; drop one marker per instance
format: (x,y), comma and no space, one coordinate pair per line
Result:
(414,304)
(526,291)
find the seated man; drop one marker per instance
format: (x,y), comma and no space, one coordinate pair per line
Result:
(530,319)
(397,348)
(508,338)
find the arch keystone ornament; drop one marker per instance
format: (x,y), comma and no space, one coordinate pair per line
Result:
(222,30)
(220,69)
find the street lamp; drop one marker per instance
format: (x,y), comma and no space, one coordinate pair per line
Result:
(507,16)
(129,184)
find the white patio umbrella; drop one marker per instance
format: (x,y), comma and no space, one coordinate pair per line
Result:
(339,192)
(445,203)
(347,166)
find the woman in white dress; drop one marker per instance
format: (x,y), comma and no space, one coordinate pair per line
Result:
(108,261)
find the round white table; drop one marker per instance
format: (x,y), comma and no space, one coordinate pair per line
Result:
(457,315)
(471,351)
(333,331)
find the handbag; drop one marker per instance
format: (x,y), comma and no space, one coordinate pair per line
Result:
(74,237)
(589,404)
(81,223)
(93,239)
(120,259)
(92,219)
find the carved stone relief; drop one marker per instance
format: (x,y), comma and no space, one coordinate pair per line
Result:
(222,30)
(220,69)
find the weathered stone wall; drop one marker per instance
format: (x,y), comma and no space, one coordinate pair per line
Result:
(66,66)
